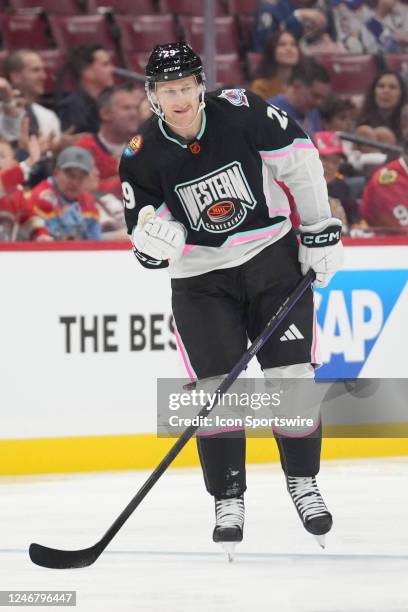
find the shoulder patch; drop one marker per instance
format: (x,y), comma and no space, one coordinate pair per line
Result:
(387,177)
(237,97)
(133,145)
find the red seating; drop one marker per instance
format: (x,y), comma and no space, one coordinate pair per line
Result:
(76,30)
(350,74)
(191,7)
(226,33)
(53,60)
(253,61)
(246,25)
(398,62)
(229,71)
(135,7)
(142,33)
(3,55)
(242,7)
(67,7)
(28,31)
(137,61)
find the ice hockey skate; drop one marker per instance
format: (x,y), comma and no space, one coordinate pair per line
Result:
(229,526)
(311,508)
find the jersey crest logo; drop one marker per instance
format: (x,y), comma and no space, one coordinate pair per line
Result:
(387,177)
(237,97)
(134,145)
(217,202)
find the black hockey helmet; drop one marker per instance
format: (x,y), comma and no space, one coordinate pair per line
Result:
(173,61)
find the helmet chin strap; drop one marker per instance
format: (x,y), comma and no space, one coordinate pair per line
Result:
(156,108)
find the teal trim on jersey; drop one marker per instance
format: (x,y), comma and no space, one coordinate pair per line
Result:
(161,207)
(297,140)
(200,133)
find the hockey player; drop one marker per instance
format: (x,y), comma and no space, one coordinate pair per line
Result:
(201,198)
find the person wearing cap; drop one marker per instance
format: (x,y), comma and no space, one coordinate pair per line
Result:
(63,199)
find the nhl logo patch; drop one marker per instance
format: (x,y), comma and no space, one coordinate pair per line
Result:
(134,145)
(237,97)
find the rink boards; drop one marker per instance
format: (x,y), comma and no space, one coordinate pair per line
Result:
(85,332)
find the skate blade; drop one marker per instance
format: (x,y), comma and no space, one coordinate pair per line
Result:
(229,549)
(321,540)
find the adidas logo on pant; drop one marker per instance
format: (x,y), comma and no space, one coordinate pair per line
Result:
(292,333)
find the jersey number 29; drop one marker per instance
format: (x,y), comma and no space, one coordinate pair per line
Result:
(274,112)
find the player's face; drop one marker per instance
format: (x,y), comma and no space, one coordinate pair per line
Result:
(179,100)
(387,92)
(71,182)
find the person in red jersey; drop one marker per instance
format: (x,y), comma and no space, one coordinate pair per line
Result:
(62,200)
(385,198)
(15,209)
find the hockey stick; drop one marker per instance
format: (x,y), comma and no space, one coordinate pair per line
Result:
(63,559)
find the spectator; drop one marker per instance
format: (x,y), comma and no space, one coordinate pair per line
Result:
(383,103)
(388,27)
(280,55)
(63,201)
(300,17)
(309,86)
(13,203)
(342,204)
(26,73)
(385,198)
(11,112)
(119,121)
(92,68)
(337,114)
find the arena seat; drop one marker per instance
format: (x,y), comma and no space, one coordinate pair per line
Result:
(142,33)
(246,24)
(137,7)
(226,33)
(242,7)
(398,62)
(53,61)
(67,7)
(229,71)
(253,60)
(24,31)
(191,7)
(137,60)
(76,30)
(350,74)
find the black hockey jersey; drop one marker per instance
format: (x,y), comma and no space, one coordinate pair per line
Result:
(223,186)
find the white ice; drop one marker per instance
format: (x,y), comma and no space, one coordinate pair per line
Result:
(164,559)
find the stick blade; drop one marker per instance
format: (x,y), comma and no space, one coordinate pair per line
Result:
(63,559)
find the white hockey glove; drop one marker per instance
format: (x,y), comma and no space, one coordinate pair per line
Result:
(321,249)
(158,239)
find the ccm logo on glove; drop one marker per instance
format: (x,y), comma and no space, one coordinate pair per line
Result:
(330,236)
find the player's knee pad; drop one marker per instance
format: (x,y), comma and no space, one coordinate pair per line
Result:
(298,414)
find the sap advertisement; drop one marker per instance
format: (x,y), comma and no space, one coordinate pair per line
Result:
(85,334)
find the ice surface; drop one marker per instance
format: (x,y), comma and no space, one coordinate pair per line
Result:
(164,559)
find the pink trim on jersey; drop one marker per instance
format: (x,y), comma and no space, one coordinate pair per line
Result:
(215,432)
(302,435)
(188,248)
(314,341)
(276,211)
(254,236)
(298,145)
(164,211)
(190,371)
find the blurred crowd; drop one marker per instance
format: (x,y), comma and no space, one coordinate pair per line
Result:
(59,157)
